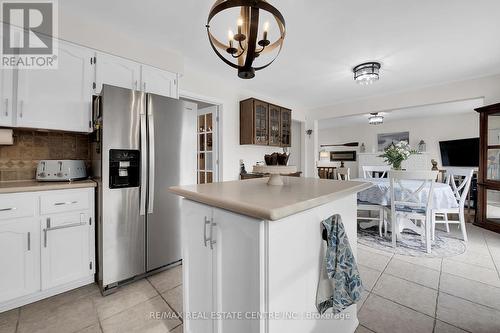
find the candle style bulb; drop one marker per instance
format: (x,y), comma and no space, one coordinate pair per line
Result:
(266,29)
(240,25)
(230,35)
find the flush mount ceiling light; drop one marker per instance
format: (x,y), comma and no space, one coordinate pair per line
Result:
(366,73)
(242,48)
(375,119)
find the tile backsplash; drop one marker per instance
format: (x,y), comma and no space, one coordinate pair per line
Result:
(19,161)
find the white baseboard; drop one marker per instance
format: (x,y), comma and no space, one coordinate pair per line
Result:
(36,296)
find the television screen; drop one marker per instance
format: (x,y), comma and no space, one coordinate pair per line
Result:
(460,153)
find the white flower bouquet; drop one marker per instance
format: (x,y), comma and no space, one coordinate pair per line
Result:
(395,154)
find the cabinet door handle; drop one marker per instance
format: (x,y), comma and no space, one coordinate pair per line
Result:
(65,203)
(6,107)
(205,239)
(7,209)
(144,86)
(212,242)
(29,241)
(65,226)
(45,232)
(135,84)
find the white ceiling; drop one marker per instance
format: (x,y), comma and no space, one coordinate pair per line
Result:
(424,111)
(419,43)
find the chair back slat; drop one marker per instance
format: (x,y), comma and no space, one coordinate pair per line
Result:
(403,196)
(368,171)
(460,179)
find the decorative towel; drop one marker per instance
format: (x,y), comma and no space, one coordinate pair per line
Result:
(339,285)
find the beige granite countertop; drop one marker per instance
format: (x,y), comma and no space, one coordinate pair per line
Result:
(33,185)
(255,198)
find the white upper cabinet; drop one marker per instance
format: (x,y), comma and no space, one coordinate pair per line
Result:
(117,72)
(6,84)
(159,82)
(61,98)
(19,258)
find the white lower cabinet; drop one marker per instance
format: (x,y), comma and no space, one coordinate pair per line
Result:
(44,255)
(220,282)
(19,258)
(65,251)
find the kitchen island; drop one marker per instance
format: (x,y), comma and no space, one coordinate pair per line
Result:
(252,254)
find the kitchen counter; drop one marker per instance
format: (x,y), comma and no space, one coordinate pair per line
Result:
(255,198)
(35,186)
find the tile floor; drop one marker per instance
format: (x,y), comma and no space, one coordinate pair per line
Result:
(84,310)
(451,295)
(403,294)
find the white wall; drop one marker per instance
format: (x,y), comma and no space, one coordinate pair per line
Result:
(196,81)
(296,149)
(430,129)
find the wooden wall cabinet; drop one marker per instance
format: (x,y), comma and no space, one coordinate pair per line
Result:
(488,213)
(264,124)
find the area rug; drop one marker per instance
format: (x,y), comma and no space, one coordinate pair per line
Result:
(410,245)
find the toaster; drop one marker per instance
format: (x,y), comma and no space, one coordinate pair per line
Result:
(61,170)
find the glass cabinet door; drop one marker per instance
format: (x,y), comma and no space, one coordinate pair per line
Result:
(493,151)
(286,127)
(205,148)
(274,125)
(261,123)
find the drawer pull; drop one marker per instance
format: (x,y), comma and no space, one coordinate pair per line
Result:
(65,203)
(29,241)
(7,209)
(71,225)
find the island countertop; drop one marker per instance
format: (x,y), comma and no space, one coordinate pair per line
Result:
(255,198)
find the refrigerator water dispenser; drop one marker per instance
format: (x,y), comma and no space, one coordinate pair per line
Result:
(124,168)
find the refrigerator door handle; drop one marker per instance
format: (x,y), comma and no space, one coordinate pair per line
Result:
(151,141)
(144,166)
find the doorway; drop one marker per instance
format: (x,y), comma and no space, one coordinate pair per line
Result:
(207,137)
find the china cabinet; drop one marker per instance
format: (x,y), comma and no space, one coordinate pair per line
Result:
(488,214)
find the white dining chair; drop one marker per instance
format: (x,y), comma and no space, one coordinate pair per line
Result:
(380,170)
(343,174)
(412,204)
(459,179)
(380,218)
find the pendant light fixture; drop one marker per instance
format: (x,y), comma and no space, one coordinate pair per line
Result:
(367,73)
(375,119)
(243,48)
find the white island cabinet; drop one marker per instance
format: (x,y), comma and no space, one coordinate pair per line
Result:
(252,254)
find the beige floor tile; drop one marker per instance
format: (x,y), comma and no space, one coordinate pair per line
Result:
(91,329)
(474,258)
(446,328)
(476,292)
(174,298)
(377,251)
(432,263)
(8,321)
(124,298)
(361,302)
(407,293)
(178,329)
(372,260)
(381,315)
(70,317)
(167,280)
(49,305)
(140,318)
(369,276)
(415,273)
(362,329)
(472,272)
(467,315)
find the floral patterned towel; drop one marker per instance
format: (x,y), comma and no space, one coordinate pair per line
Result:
(340,284)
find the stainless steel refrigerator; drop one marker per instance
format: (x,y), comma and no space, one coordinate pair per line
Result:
(144,144)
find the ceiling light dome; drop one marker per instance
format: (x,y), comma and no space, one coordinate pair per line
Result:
(251,38)
(375,119)
(367,73)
